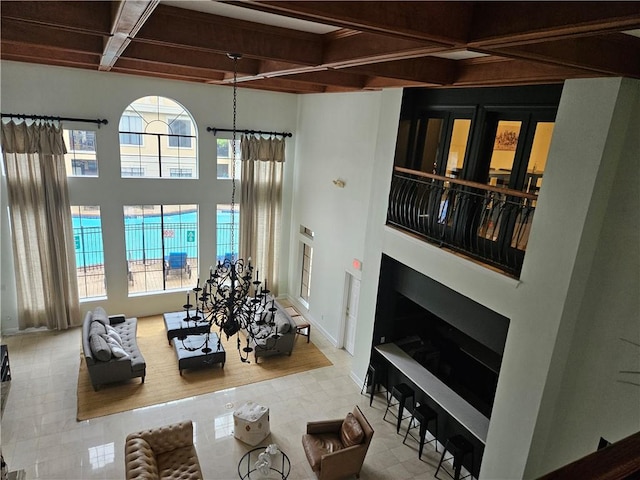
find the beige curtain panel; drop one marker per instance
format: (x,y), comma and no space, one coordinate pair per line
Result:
(261,205)
(41,226)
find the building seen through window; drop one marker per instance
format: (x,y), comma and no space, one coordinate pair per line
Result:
(157,139)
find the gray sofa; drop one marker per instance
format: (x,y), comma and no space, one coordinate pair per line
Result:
(285,340)
(111,357)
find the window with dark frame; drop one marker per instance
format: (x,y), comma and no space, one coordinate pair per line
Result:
(180,127)
(157,140)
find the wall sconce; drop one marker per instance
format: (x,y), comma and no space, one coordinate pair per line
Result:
(339,183)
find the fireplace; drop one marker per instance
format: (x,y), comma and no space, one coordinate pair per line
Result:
(455,338)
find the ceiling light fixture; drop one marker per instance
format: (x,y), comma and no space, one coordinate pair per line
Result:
(230,299)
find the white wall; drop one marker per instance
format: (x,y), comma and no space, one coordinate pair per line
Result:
(336,139)
(586,400)
(550,292)
(78,93)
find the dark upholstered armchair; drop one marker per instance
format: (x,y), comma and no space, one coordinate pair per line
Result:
(336,449)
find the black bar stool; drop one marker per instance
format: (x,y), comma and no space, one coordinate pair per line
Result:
(458,447)
(401,392)
(376,376)
(423,414)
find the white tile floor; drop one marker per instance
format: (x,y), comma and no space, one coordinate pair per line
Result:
(40,433)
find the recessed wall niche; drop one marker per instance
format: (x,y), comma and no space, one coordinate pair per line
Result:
(457,339)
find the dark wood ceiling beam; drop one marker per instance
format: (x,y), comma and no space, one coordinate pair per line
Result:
(282,85)
(276,69)
(332,78)
(429,70)
(357,48)
(188,29)
(505,24)
(152,74)
(40,35)
(378,83)
(49,62)
(189,58)
(131,65)
(128,18)
(604,55)
(445,22)
(41,54)
(80,16)
(504,72)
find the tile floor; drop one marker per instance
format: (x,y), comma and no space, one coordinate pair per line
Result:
(40,433)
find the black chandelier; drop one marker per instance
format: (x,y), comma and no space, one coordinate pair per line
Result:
(230,299)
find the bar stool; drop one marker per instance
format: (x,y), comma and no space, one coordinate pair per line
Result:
(458,447)
(376,376)
(401,392)
(423,414)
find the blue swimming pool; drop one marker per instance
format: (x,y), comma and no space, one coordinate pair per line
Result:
(150,238)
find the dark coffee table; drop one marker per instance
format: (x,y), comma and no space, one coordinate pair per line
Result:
(177,326)
(195,352)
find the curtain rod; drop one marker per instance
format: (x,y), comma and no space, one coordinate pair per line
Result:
(259,132)
(99,121)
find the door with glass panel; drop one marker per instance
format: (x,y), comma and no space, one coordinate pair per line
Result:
(514,156)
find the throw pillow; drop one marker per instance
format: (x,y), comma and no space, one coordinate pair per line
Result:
(351,432)
(282,323)
(96,328)
(99,348)
(100,315)
(113,333)
(116,348)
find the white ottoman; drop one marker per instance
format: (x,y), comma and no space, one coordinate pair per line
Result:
(251,423)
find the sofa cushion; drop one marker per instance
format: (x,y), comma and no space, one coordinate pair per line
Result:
(179,463)
(351,432)
(100,347)
(318,445)
(116,349)
(100,315)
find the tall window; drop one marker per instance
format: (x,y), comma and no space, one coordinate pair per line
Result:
(225,246)
(225,158)
(87,237)
(128,125)
(81,158)
(305,278)
(157,135)
(161,243)
(180,133)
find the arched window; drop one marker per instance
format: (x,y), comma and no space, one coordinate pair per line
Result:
(158,140)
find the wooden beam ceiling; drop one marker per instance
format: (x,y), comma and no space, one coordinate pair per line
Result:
(372,45)
(129,16)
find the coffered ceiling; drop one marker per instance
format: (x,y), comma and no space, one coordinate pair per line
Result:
(330,46)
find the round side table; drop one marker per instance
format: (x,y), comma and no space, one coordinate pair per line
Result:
(280,465)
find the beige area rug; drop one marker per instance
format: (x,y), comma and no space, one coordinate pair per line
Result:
(163,382)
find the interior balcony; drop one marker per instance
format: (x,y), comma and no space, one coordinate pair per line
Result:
(487,223)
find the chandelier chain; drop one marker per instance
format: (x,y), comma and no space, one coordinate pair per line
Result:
(233,148)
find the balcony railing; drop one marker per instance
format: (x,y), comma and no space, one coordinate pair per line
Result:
(490,224)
